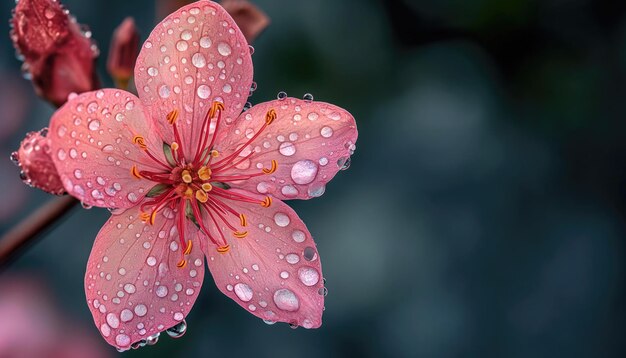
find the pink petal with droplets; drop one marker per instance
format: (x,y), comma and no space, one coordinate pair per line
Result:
(195,56)
(91,141)
(310,141)
(133,286)
(274,272)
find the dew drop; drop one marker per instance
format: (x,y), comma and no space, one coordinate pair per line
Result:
(309,253)
(292,258)
(224,49)
(281,95)
(164,91)
(185,35)
(243,291)
(326,132)
(343,163)
(287,149)
(289,191)
(307,97)
(122,340)
(182,45)
(308,276)
(286,300)
(304,172)
(198,60)
(298,236)
(204,91)
(316,190)
(178,330)
(205,42)
(281,219)
(152,71)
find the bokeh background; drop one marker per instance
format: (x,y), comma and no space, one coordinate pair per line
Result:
(484,212)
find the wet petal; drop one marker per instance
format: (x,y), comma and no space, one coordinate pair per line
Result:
(195,56)
(37,167)
(274,272)
(310,141)
(133,285)
(91,141)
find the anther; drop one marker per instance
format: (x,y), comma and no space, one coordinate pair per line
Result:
(145,217)
(204,173)
(272,168)
(188,249)
(223,249)
(140,141)
(135,172)
(188,193)
(202,196)
(174,146)
(207,187)
(243,220)
(240,234)
(182,263)
(186,176)
(266,202)
(270,116)
(214,108)
(214,153)
(152,217)
(172,116)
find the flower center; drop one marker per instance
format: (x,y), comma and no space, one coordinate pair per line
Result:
(195,189)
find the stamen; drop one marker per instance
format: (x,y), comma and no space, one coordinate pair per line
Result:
(270,116)
(223,249)
(272,169)
(172,116)
(266,202)
(215,153)
(243,220)
(188,249)
(135,172)
(182,263)
(188,193)
(204,173)
(186,176)
(214,108)
(140,141)
(202,196)
(145,217)
(174,146)
(240,234)
(153,216)
(207,187)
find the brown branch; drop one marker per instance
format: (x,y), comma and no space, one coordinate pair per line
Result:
(27,231)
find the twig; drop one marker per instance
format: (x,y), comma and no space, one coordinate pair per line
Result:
(28,230)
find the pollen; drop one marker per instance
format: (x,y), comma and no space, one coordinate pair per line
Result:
(207,187)
(272,169)
(172,117)
(202,196)
(214,108)
(204,173)
(140,141)
(223,249)
(270,116)
(266,202)
(135,172)
(186,176)
(188,249)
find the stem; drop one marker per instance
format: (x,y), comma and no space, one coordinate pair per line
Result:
(28,230)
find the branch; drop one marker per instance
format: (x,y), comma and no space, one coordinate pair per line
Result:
(28,230)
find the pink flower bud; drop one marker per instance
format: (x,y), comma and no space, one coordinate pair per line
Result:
(250,19)
(58,56)
(123,52)
(33,158)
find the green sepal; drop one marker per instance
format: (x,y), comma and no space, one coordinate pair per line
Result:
(157,190)
(169,156)
(219,184)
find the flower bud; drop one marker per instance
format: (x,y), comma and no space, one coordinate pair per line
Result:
(123,52)
(58,56)
(37,167)
(250,19)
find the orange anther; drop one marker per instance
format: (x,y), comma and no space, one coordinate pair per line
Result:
(272,168)
(243,220)
(174,146)
(270,116)
(202,196)
(182,263)
(187,178)
(223,249)
(240,234)
(204,173)
(188,249)
(140,141)
(135,172)
(172,116)
(214,108)
(266,202)
(207,187)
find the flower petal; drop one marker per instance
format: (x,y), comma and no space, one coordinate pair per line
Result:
(310,142)
(91,141)
(274,272)
(195,56)
(134,288)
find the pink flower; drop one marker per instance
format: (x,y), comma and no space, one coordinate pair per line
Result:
(197,178)
(58,56)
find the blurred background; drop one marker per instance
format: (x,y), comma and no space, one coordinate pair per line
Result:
(484,211)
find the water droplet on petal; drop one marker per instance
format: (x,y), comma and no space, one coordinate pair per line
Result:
(304,172)
(224,49)
(286,300)
(316,190)
(204,91)
(309,276)
(122,340)
(205,42)
(307,97)
(326,132)
(164,91)
(198,60)
(94,125)
(309,253)
(343,163)
(281,95)
(298,236)
(243,291)
(152,71)
(281,219)
(178,330)
(182,45)
(287,149)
